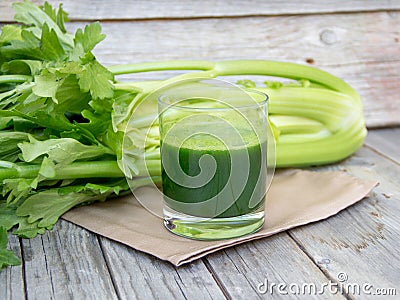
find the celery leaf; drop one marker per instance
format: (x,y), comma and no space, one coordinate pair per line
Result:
(7,257)
(90,37)
(63,150)
(96,79)
(8,218)
(10,33)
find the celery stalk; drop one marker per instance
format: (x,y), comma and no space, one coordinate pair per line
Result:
(319,124)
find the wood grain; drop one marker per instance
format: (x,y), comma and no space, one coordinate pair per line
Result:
(142,9)
(138,275)
(386,141)
(277,259)
(66,263)
(329,40)
(363,49)
(11,278)
(362,241)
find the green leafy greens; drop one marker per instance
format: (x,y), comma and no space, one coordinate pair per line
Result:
(7,257)
(56,101)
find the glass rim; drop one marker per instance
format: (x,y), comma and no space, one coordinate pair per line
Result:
(176,105)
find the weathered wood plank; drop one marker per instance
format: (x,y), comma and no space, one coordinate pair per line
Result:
(361,48)
(385,141)
(11,278)
(337,39)
(141,9)
(278,259)
(66,263)
(362,241)
(140,276)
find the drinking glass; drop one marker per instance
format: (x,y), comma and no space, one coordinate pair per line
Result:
(214,140)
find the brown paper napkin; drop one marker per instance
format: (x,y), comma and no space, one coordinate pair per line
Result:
(296,197)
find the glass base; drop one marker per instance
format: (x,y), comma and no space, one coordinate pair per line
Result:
(212,229)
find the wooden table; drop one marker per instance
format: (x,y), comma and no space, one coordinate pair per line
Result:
(355,40)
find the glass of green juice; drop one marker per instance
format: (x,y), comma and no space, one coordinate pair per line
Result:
(214,159)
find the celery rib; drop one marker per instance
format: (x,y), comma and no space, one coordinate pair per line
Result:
(324,122)
(15,78)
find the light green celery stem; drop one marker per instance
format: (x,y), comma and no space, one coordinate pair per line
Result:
(340,112)
(330,108)
(14,78)
(243,67)
(92,169)
(298,129)
(290,138)
(162,66)
(286,70)
(127,87)
(268,68)
(325,106)
(144,181)
(152,155)
(138,86)
(328,150)
(144,121)
(296,124)
(17,171)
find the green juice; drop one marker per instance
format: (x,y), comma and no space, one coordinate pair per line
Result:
(234,192)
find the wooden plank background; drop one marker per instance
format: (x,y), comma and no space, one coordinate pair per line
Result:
(145,9)
(358,40)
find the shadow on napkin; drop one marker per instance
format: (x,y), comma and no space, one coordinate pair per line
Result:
(296,197)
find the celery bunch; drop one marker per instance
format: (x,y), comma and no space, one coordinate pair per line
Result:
(319,119)
(63,116)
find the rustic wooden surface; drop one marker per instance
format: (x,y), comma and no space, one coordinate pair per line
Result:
(142,9)
(362,241)
(358,40)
